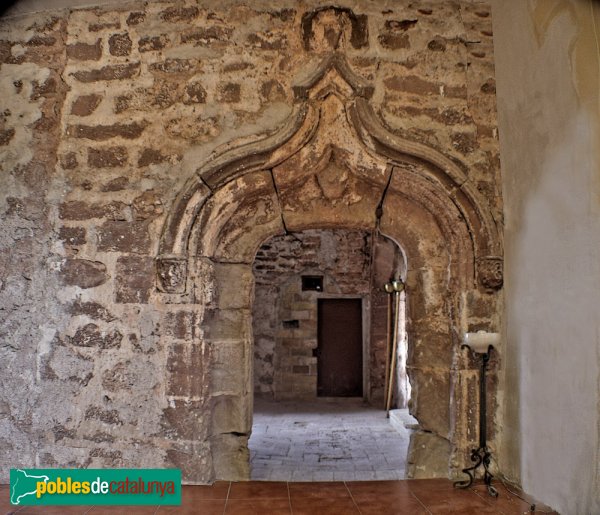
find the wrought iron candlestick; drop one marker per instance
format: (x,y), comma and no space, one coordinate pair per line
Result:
(481,344)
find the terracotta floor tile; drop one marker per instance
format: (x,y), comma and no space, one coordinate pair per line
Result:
(55,510)
(322,506)
(326,489)
(259,490)
(258,507)
(458,509)
(197,507)
(440,496)
(370,488)
(384,504)
(506,502)
(6,507)
(216,491)
(128,510)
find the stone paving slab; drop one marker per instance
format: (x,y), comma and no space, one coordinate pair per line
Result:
(325,440)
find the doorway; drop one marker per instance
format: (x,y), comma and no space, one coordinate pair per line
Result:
(320,331)
(339,348)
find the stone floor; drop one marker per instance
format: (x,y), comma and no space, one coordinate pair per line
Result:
(327,440)
(414,497)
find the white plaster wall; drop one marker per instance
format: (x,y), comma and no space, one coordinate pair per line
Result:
(547,82)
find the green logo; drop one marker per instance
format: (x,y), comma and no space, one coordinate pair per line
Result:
(47,487)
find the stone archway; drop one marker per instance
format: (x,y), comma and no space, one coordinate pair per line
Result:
(332,165)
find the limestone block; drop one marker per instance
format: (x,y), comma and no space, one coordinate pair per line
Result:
(231,460)
(193,459)
(431,348)
(227,324)
(185,420)
(428,456)
(430,399)
(229,414)
(227,359)
(233,231)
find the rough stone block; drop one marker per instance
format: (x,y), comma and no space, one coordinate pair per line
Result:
(91,309)
(109,157)
(83,273)
(90,335)
(119,45)
(72,235)
(207,36)
(104,132)
(152,43)
(151,156)
(118,184)
(229,93)
(79,210)
(147,206)
(109,72)
(392,41)
(135,279)
(122,236)
(135,18)
(85,105)
(85,51)
(6,136)
(130,375)
(175,66)
(68,161)
(178,14)
(65,364)
(194,93)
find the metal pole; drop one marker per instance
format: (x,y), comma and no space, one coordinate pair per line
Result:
(482,455)
(483,403)
(387,350)
(394,350)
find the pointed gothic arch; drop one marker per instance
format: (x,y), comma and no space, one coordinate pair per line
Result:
(333,164)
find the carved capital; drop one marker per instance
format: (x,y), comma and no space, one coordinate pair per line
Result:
(171,274)
(490,271)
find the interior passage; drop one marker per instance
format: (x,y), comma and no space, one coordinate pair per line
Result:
(330,439)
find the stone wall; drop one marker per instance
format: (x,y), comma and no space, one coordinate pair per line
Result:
(548,89)
(107,114)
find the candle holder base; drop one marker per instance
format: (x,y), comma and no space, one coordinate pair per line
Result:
(480,456)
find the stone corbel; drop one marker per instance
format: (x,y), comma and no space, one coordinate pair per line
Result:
(171,274)
(490,271)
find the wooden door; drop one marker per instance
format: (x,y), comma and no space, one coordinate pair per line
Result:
(339,350)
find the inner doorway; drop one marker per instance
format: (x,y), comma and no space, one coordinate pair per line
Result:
(339,348)
(320,325)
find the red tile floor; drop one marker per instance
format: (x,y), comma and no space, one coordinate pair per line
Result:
(425,496)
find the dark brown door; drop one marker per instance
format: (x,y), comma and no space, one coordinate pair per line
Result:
(339,351)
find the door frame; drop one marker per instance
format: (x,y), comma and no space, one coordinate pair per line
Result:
(366,333)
